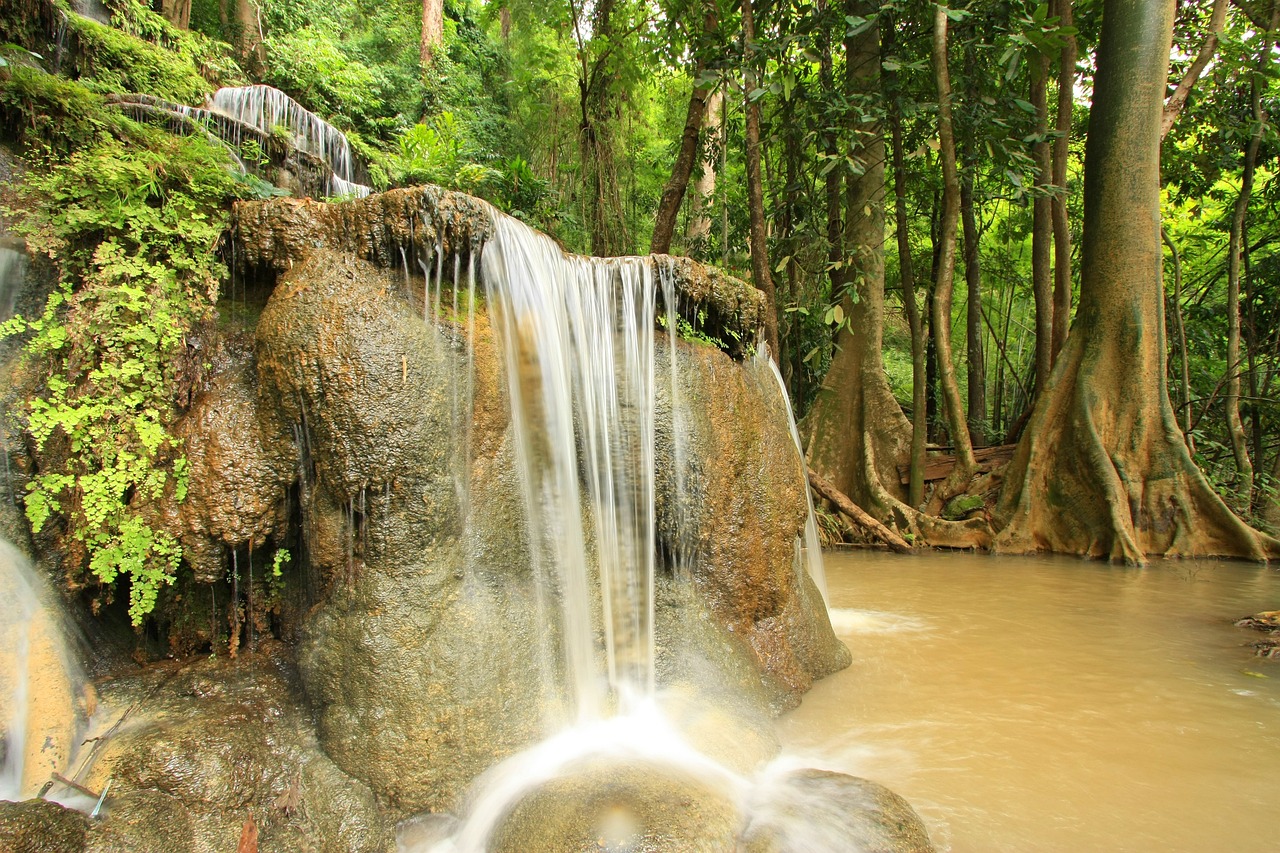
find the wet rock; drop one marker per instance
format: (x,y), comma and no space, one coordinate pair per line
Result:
(422,659)
(634,806)
(1267,620)
(207,745)
(734,483)
(241,465)
(36,826)
(808,810)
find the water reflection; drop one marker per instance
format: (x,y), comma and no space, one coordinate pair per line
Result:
(1053,704)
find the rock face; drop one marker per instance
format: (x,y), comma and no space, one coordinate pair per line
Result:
(426,655)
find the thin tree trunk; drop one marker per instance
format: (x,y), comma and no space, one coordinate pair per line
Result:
(1181,331)
(973,320)
(1178,100)
(1102,469)
(759,239)
(1239,443)
(704,189)
(504,23)
(974,355)
(432,31)
(952,409)
(919,379)
(1042,225)
(1061,150)
(664,224)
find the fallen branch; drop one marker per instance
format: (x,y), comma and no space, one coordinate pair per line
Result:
(856,514)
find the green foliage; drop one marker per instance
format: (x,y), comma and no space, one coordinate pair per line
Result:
(131,230)
(311,66)
(53,110)
(109,60)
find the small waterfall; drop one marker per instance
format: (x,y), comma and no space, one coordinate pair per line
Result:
(13,269)
(266,109)
(38,680)
(578,337)
(808,552)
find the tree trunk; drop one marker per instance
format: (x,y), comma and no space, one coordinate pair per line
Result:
(432,31)
(1042,224)
(858,434)
(664,224)
(919,379)
(1102,469)
(177,12)
(974,357)
(1178,100)
(241,18)
(1235,428)
(1181,331)
(755,188)
(1061,145)
(504,23)
(704,189)
(601,200)
(952,409)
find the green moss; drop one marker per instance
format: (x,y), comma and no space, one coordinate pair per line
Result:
(109,60)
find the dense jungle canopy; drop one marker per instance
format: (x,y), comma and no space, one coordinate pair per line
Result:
(1021,258)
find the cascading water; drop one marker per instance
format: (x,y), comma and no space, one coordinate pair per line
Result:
(265,109)
(13,265)
(38,679)
(579,345)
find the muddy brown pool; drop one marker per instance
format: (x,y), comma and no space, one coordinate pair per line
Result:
(1054,704)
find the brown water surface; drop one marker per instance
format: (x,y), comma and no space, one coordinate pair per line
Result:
(1053,704)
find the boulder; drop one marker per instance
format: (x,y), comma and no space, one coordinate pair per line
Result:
(204,747)
(37,826)
(621,805)
(807,810)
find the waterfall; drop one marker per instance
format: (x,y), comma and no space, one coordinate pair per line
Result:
(13,266)
(578,338)
(38,679)
(266,109)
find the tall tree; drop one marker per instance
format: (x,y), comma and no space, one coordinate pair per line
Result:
(704,188)
(759,240)
(858,434)
(598,55)
(432,30)
(664,223)
(944,281)
(1102,468)
(1061,153)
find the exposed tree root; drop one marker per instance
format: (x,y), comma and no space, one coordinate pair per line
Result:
(856,514)
(1103,472)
